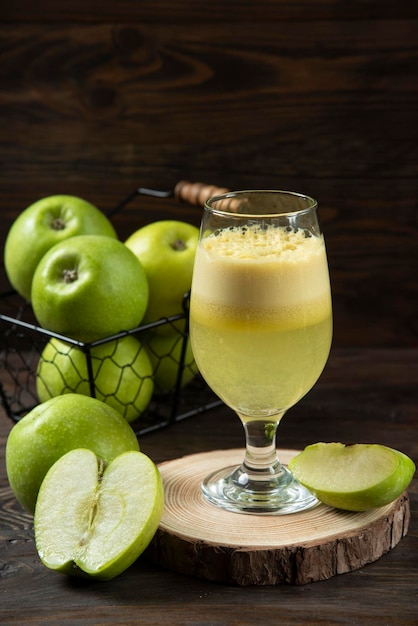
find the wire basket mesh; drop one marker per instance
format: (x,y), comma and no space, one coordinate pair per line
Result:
(29,373)
(36,364)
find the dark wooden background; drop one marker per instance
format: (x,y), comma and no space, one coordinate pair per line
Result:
(100,97)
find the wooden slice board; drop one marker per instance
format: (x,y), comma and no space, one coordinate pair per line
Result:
(199,539)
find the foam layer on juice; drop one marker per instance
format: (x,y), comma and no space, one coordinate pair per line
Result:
(265,270)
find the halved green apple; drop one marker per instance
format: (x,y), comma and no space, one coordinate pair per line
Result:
(353,477)
(93,519)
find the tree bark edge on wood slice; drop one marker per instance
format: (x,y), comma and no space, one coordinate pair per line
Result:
(196,538)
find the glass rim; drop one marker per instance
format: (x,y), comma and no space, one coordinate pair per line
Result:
(312,203)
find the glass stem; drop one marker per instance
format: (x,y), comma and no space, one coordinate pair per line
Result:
(260,484)
(261,462)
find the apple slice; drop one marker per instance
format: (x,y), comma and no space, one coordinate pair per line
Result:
(353,477)
(93,519)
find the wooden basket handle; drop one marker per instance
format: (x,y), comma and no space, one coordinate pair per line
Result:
(196,193)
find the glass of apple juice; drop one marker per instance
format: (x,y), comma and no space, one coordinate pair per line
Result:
(261,330)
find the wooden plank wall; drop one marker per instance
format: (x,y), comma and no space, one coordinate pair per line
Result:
(100,97)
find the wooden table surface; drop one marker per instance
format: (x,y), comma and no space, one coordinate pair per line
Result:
(364,395)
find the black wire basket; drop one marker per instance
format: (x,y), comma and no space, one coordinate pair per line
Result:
(23,345)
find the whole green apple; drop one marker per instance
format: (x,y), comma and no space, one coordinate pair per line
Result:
(43,224)
(353,477)
(89,287)
(165,355)
(53,428)
(94,519)
(166,250)
(122,374)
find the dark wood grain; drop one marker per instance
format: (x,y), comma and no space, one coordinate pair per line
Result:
(98,98)
(215,11)
(364,395)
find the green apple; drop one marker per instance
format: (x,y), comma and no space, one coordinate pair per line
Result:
(89,287)
(53,428)
(122,374)
(94,518)
(166,250)
(353,477)
(165,355)
(43,224)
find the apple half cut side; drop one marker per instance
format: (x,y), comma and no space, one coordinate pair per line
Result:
(93,519)
(354,477)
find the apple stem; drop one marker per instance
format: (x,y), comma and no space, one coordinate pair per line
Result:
(179,245)
(69,276)
(58,224)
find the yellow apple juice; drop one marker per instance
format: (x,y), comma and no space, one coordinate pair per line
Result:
(260,316)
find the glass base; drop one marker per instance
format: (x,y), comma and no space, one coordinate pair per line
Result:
(233,489)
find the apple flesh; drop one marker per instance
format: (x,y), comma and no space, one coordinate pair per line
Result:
(166,250)
(89,287)
(122,374)
(165,356)
(353,477)
(53,428)
(42,225)
(95,519)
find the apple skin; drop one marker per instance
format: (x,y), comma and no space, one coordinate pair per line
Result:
(122,373)
(165,355)
(43,224)
(400,471)
(166,250)
(89,287)
(53,428)
(93,519)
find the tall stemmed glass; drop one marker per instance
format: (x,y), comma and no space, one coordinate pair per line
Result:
(261,328)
